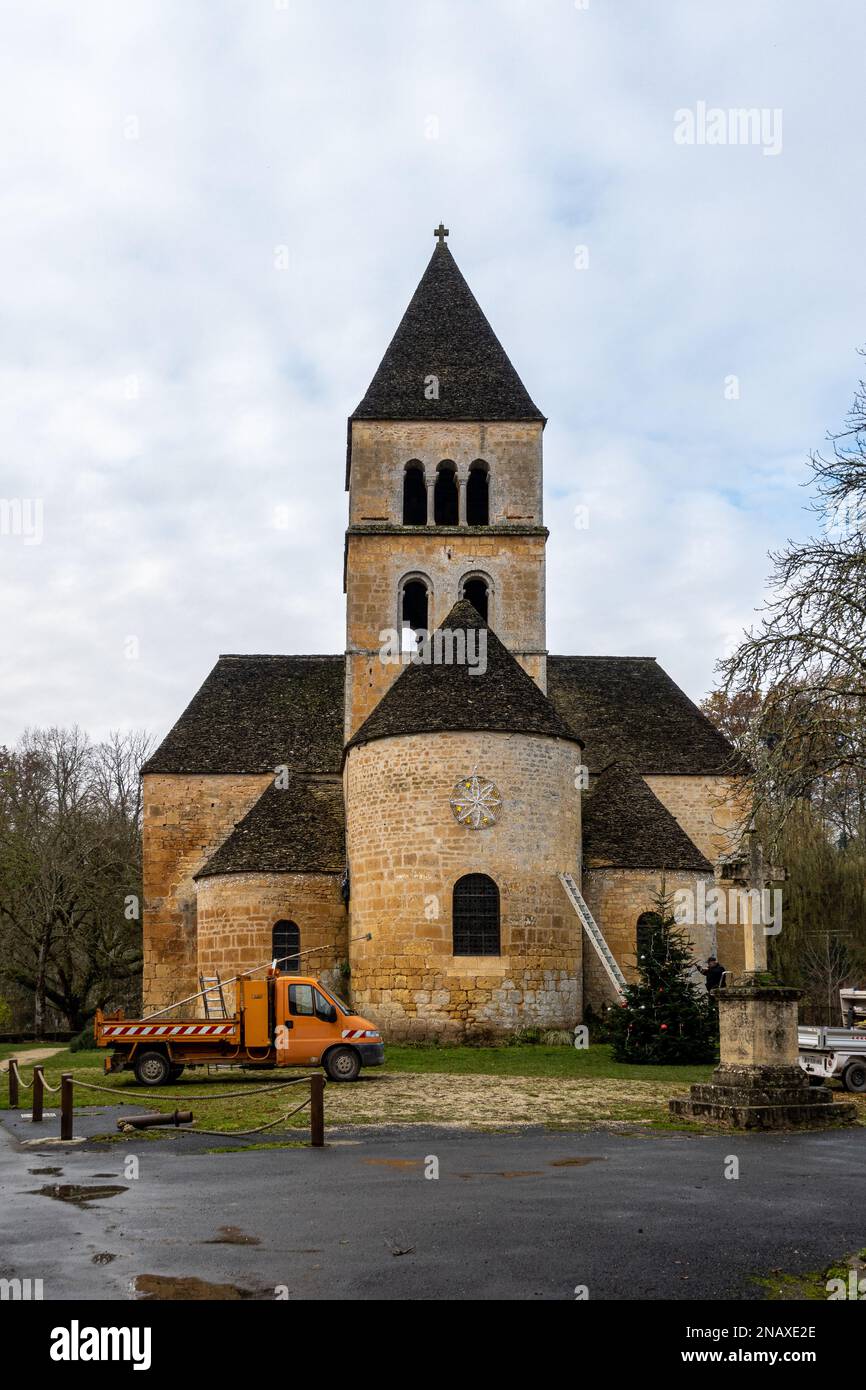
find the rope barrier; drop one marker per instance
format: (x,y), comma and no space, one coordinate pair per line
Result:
(232,1095)
(236,1133)
(69,1081)
(21,1082)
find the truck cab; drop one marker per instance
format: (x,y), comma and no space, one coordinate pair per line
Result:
(313,1026)
(282,1020)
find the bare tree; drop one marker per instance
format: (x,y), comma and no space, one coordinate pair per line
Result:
(70,870)
(807,654)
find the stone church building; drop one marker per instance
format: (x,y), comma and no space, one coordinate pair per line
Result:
(431,791)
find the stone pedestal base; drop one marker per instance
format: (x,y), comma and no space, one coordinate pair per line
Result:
(764,1098)
(759,1083)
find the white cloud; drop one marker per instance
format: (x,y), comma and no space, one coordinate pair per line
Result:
(164,388)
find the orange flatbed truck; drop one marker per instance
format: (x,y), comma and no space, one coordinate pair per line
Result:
(284,1020)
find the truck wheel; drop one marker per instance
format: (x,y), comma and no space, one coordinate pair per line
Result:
(854,1078)
(152,1069)
(343,1064)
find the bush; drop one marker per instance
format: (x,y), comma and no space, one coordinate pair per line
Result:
(600,1025)
(83,1041)
(524,1035)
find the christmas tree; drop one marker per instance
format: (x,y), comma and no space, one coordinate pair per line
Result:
(664,1017)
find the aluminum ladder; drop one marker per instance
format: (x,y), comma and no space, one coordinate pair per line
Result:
(212,996)
(595,934)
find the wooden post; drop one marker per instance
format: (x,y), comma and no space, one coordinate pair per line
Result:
(13,1082)
(317,1111)
(66,1093)
(38,1093)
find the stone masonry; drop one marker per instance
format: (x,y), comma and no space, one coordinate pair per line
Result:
(381,552)
(236,916)
(185,820)
(406,850)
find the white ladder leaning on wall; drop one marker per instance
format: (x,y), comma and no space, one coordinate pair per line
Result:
(595,934)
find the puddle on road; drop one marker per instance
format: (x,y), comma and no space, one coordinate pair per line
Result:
(394,1162)
(151,1287)
(505,1173)
(525,1172)
(48,1172)
(232,1235)
(102,1257)
(72,1192)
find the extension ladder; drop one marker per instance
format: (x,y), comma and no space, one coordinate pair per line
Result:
(595,934)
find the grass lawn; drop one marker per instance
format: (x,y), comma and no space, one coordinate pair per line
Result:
(475,1087)
(533,1060)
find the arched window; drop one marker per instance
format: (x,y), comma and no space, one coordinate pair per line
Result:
(414,495)
(647,926)
(415,605)
(477,590)
(475,916)
(286,941)
(445,494)
(478,495)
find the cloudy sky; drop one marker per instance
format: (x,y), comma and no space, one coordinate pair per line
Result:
(214,215)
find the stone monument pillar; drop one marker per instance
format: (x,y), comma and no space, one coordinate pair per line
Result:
(759,1083)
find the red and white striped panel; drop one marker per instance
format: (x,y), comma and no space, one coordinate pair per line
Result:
(167,1030)
(354,1033)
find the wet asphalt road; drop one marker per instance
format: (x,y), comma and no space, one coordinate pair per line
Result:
(513,1216)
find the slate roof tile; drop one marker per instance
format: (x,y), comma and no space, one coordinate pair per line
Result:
(442,697)
(628,707)
(444,333)
(254,713)
(299,828)
(625,826)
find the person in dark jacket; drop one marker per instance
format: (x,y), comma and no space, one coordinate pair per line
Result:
(714,973)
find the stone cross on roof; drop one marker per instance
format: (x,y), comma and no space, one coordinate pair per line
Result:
(441,232)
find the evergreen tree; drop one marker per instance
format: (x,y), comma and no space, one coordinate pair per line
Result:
(664,1017)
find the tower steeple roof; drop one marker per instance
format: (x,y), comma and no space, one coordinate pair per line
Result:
(444,334)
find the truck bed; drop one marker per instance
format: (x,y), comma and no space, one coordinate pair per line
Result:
(820,1039)
(112,1030)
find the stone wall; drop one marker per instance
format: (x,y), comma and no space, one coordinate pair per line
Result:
(406,851)
(381,449)
(708,809)
(376,565)
(380,552)
(185,819)
(617,898)
(237,914)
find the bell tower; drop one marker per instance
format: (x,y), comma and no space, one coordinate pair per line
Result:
(444,475)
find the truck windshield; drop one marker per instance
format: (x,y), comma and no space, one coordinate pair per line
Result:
(335,999)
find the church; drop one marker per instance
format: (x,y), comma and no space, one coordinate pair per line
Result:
(459,829)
